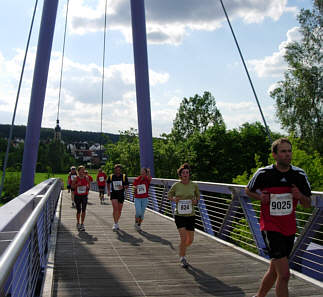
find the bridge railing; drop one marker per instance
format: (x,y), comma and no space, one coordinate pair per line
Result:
(24,239)
(225,212)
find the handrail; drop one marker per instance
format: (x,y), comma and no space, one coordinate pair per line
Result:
(11,253)
(227,213)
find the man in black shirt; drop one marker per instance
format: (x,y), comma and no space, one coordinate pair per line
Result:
(117,183)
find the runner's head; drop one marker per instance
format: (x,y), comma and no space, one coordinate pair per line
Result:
(73,169)
(86,172)
(282,152)
(117,169)
(100,169)
(144,171)
(184,172)
(80,170)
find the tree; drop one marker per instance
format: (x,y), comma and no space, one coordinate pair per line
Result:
(299,97)
(196,114)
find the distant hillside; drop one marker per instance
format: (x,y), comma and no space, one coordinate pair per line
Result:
(68,136)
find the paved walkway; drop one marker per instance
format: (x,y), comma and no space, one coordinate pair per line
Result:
(100,262)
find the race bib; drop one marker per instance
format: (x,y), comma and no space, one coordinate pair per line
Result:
(73,177)
(185,207)
(81,189)
(101,179)
(117,185)
(141,189)
(281,204)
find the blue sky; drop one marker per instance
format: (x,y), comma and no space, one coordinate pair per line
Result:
(190,50)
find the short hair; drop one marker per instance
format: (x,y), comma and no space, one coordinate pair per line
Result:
(274,146)
(117,166)
(182,167)
(73,167)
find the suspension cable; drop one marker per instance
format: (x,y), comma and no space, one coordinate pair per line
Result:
(62,63)
(103,65)
(247,72)
(17,99)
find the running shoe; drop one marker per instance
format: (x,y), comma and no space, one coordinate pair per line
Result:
(184,262)
(82,228)
(78,226)
(137,227)
(115,227)
(73,204)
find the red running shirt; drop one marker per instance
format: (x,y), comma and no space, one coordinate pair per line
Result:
(279,214)
(82,186)
(142,186)
(101,179)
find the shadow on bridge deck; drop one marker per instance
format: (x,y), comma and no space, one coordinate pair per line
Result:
(100,262)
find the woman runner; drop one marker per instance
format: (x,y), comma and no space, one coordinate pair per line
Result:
(186,194)
(81,188)
(141,187)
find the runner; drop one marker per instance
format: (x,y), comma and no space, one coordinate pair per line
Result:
(279,187)
(81,187)
(117,183)
(186,194)
(141,187)
(68,182)
(89,176)
(72,175)
(101,180)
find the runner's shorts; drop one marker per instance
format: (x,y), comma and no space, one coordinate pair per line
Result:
(118,196)
(187,222)
(80,202)
(278,245)
(101,189)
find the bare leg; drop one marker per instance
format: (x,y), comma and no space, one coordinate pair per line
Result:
(82,217)
(282,270)
(268,281)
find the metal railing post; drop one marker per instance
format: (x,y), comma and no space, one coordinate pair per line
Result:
(205,216)
(252,221)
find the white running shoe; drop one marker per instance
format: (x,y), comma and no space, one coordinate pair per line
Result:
(115,227)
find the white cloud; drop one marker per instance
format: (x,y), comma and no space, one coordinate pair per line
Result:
(80,106)
(169,21)
(275,65)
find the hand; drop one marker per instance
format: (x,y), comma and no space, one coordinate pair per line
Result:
(296,192)
(176,199)
(265,197)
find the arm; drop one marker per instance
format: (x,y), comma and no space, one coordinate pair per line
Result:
(298,195)
(264,197)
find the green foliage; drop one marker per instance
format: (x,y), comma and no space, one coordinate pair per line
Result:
(196,114)
(242,237)
(10,186)
(299,98)
(125,152)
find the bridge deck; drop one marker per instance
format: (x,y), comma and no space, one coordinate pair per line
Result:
(100,262)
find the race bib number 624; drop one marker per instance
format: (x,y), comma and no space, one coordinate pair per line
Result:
(281,204)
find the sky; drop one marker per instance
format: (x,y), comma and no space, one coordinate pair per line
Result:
(190,51)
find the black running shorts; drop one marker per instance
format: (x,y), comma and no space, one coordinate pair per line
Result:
(101,189)
(187,222)
(278,245)
(80,202)
(118,196)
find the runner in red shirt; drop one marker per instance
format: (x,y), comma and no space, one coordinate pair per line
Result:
(141,187)
(71,176)
(81,188)
(280,188)
(101,180)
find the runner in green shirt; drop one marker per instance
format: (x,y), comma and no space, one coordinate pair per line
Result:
(186,194)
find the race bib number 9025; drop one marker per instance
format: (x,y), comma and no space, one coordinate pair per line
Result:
(281,204)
